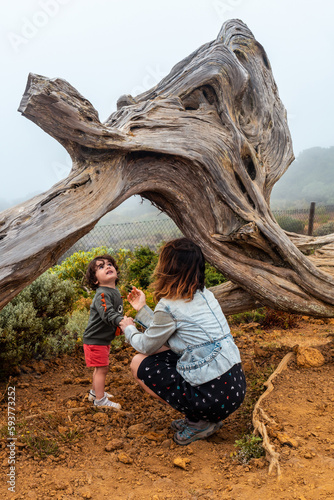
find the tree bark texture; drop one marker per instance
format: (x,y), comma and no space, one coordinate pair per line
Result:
(205,145)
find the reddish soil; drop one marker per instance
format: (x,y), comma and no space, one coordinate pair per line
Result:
(66,449)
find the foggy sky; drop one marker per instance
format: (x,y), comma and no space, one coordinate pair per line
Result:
(106,48)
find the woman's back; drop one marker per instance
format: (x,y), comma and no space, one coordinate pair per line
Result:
(198,320)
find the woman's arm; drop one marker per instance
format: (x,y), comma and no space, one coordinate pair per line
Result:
(161,328)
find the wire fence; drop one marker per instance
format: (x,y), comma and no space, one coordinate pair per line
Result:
(151,233)
(130,235)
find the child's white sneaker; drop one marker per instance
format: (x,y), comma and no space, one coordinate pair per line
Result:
(92,397)
(105,403)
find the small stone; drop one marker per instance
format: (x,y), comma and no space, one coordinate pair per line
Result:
(101,418)
(59,485)
(72,404)
(154,436)
(258,462)
(309,357)
(86,494)
(46,388)
(124,458)
(308,455)
(136,430)
(285,439)
(182,463)
(23,385)
(114,444)
(84,381)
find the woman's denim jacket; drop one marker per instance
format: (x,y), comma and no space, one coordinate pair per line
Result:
(196,330)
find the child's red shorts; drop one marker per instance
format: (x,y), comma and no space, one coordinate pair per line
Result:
(96,355)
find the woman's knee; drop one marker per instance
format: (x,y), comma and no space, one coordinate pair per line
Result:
(135,363)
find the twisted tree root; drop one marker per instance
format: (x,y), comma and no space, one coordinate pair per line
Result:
(259,415)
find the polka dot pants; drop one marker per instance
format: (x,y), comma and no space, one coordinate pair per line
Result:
(213,401)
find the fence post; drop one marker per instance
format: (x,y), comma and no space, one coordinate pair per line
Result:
(311,219)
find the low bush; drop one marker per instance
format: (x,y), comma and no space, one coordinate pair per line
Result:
(255,316)
(249,446)
(140,266)
(327,228)
(76,325)
(32,324)
(290,224)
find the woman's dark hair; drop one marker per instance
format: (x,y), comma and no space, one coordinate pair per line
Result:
(180,270)
(91,270)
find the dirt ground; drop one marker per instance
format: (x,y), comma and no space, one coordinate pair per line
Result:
(65,449)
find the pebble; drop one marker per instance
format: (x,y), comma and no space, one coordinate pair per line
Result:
(124,458)
(114,444)
(101,418)
(86,494)
(136,429)
(285,439)
(182,463)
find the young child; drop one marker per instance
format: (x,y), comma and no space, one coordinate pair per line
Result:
(188,357)
(106,316)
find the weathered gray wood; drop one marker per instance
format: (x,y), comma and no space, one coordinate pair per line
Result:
(206,145)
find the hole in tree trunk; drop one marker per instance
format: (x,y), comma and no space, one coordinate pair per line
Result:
(250,167)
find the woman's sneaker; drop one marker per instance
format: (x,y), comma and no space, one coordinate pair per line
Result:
(191,433)
(180,424)
(92,397)
(105,403)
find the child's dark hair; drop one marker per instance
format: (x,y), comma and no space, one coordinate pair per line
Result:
(91,270)
(180,270)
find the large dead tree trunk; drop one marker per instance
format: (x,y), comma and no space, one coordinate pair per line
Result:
(205,145)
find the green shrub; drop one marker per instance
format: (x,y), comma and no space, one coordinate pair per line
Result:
(290,224)
(76,324)
(327,228)
(212,276)
(74,267)
(254,316)
(249,447)
(141,265)
(32,324)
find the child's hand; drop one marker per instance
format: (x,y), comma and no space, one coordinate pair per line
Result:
(136,298)
(126,321)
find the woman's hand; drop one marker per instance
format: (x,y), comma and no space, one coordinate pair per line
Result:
(137,298)
(126,321)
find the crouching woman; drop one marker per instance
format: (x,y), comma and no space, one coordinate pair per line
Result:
(188,358)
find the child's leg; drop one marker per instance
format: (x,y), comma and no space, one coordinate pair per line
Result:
(93,383)
(99,378)
(136,361)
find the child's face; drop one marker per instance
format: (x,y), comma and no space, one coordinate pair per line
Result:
(106,274)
